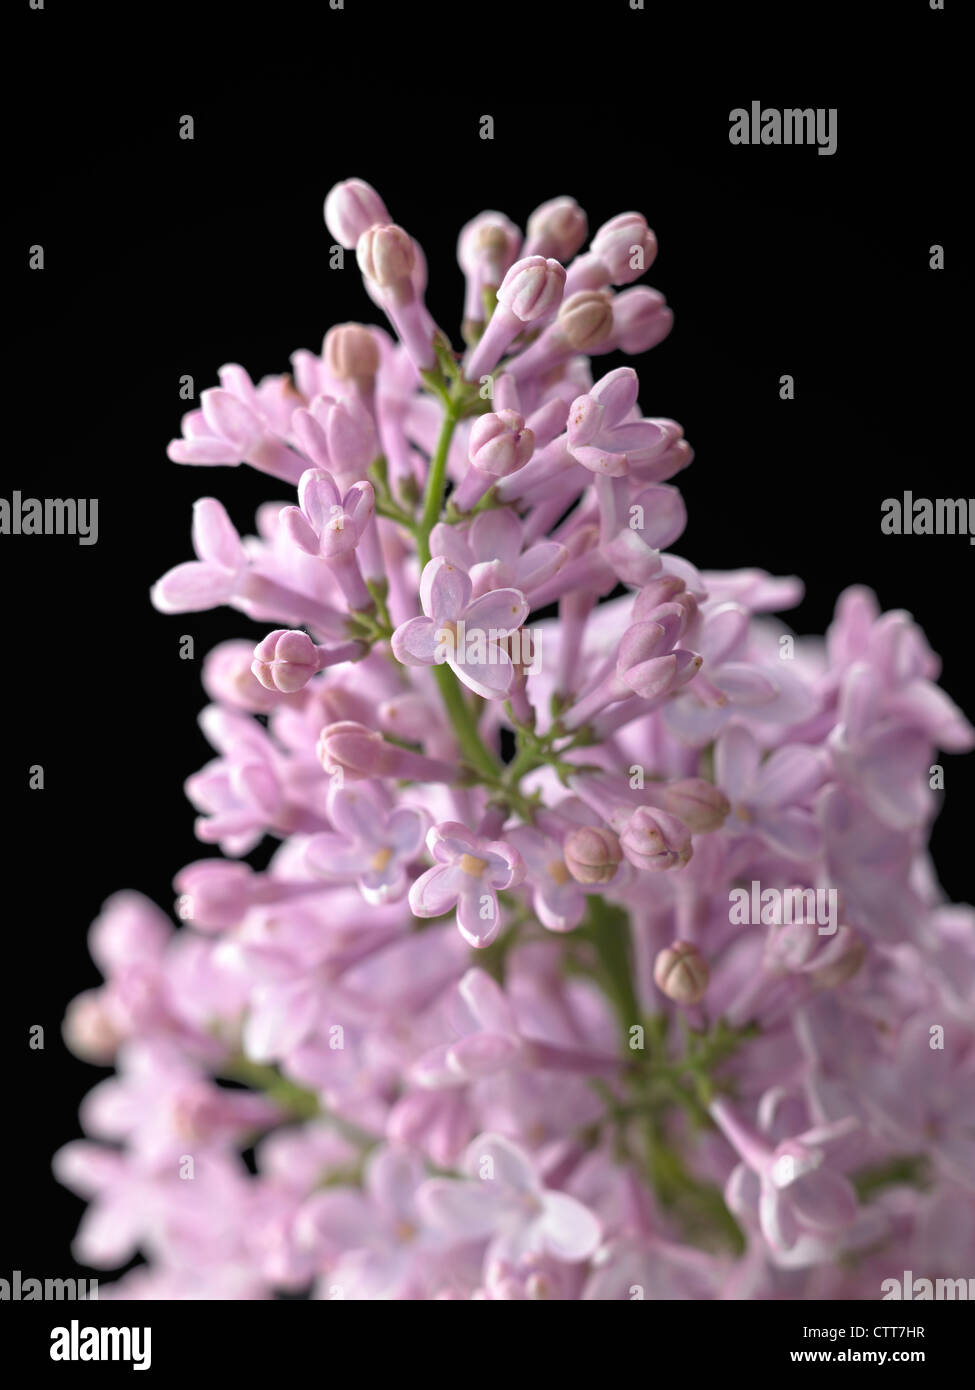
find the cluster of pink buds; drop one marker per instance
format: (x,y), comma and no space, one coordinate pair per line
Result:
(599,949)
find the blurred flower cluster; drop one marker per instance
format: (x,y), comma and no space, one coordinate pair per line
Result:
(486,1024)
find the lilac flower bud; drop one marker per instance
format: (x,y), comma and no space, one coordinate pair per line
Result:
(530,292)
(641,319)
(556,229)
(88,1028)
(351,436)
(696,802)
(285,661)
(357,751)
(486,248)
(664,588)
(350,209)
(681,972)
(385,255)
(500,443)
(351,353)
(626,246)
(592,854)
(586,320)
(653,840)
(532,288)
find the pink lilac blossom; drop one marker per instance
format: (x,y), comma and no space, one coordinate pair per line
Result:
(493,1028)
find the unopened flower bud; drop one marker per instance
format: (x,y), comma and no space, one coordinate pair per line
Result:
(626,246)
(696,802)
(355,751)
(285,661)
(532,288)
(664,588)
(641,319)
(586,319)
(385,255)
(592,854)
(487,246)
(88,1028)
(500,443)
(351,353)
(654,840)
(681,972)
(557,229)
(350,209)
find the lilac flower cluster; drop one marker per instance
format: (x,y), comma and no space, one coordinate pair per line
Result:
(485,1016)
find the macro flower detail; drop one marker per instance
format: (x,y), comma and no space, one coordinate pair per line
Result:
(468,874)
(468,634)
(373,845)
(461,1000)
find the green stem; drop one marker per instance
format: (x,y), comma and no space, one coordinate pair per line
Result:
(436,480)
(464,724)
(299,1103)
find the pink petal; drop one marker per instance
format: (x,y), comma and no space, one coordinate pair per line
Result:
(569,1230)
(193,588)
(415,642)
(482,1054)
(502,610)
(317,495)
(206,450)
(723,630)
(436,891)
(231,419)
(333,856)
(487,1002)
(476,930)
(405,830)
(281,1016)
(823,1200)
(736,761)
(451,543)
(496,535)
(215,538)
(294,523)
(510,1167)
(445,590)
(463,1210)
(791,774)
(490,679)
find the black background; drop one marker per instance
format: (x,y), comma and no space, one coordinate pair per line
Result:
(166,257)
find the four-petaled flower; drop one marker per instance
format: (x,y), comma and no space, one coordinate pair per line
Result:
(469,874)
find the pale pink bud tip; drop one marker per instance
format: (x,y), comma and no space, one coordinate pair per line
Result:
(351,352)
(681,973)
(351,208)
(586,319)
(592,854)
(696,802)
(386,255)
(285,661)
(557,228)
(350,747)
(532,288)
(88,1028)
(653,840)
(500,444)
(626,246)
